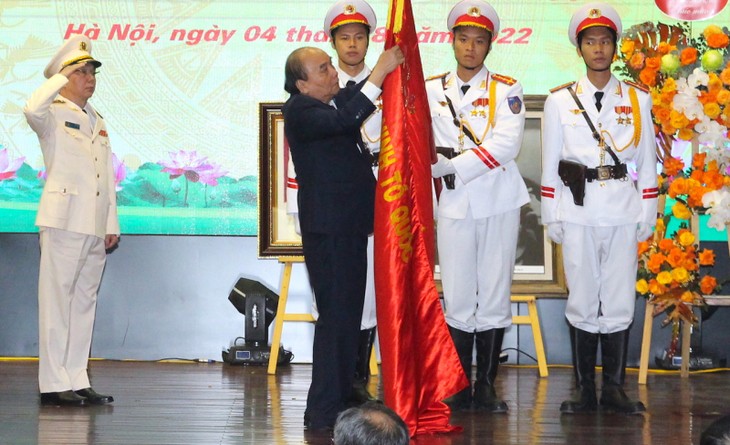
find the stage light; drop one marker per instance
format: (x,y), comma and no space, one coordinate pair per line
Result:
(258,304)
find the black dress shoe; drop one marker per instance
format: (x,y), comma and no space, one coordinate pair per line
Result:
(68,398)
(94,397)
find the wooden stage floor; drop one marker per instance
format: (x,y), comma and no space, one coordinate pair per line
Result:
(191,403)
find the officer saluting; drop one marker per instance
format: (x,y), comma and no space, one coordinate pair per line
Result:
(77,221)
(478,120)
(592,129)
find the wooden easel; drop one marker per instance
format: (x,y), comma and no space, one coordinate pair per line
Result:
(282,316)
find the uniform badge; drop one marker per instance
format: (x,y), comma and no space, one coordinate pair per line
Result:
(72,125)
(515,104)
(103,133)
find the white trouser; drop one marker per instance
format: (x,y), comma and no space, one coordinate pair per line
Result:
(70,272)
(368,320)
(600,266)
(477,259)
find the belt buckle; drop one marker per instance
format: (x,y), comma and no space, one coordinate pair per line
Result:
(603,173)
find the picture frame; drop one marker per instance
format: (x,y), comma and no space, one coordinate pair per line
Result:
(539,264)
(277,236)
(539,268)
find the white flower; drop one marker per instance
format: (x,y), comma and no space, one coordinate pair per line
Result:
(688,104)
(717,203)
(719,153)
(697,78)
(712,134)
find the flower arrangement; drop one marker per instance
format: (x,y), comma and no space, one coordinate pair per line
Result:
(670,273)
(689,82)
(689,78)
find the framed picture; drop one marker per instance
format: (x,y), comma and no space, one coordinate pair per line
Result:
(538,265)
(277,236)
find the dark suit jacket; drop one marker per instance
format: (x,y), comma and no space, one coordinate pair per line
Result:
(336,183)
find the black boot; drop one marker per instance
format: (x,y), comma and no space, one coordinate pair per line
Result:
(360,394)
(614,348)
(584,346)
(489,347)
(464,342)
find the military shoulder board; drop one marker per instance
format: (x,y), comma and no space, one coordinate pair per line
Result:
(504,79)
(59,101)
(437,76)
(565,85)
(638,86)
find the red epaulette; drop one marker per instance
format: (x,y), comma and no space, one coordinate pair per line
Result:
(638,86)
(565,85)
(504,79)
(437,76)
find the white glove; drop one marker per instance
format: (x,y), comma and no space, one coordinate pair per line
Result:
(643,231)
(555,232)
(297,227)
(442,167)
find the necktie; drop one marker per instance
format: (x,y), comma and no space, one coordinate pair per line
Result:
(464,88)
(599,96)
(350,83)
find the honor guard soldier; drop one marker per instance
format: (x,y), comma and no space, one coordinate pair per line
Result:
(349,24)
(77,221)
(592,129)
(478,120)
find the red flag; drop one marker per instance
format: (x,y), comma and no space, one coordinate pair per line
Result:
(420,366)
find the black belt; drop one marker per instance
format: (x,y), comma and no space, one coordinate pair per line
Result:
(606,172)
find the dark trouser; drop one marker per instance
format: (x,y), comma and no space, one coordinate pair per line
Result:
(337,266)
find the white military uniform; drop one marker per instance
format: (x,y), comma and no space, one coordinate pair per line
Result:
(600,237)
(76,211)
(478,221)
(370,132)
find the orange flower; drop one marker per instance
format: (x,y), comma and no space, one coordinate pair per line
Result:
(655,263)
(698,161)
(648,77)
(708,284)
(637,61)
(666,245)
(713,179)
(718,41)
(723,97)
(694,198)
(672,166)
(688,297)
(643,247)
(675,257)
(714,83)
(655,288)
(688,56)
(654,63)
(686,134)
(725,76)
(664,48)
(679,186)
(707,257)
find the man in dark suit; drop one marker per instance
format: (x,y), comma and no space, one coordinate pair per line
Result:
(336,207)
